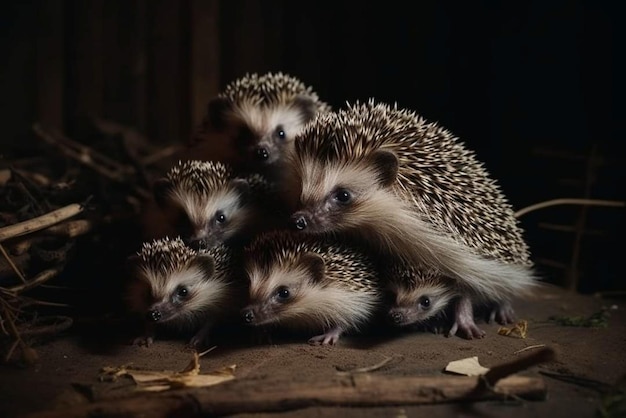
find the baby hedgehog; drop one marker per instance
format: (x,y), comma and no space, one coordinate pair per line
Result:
(413,191)
(310,283)
(258,116)
(178,287)
(207,205)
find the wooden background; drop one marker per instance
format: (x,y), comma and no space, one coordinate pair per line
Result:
(530,86)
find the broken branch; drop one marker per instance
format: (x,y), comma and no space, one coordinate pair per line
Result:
(360,390)
(40,222)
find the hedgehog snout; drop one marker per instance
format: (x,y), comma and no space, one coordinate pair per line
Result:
(396,317)
(262,153)
(198,244)
(299,221)
(154,315)
(247,315)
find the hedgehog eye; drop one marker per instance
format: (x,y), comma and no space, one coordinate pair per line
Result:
(182,292)
(342,196)
(220,218)
(280,132)
(424,302)
(283,293)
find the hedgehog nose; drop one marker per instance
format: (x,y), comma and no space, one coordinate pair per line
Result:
(198,244)
(154,315)
(262,153)
(396,317)
(248,316)
(299,222)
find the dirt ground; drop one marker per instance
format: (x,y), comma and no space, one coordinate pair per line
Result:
(588,360)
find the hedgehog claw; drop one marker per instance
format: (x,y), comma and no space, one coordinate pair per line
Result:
(464,321)
(200,338)
(143,340)
(502,313)
(329,338)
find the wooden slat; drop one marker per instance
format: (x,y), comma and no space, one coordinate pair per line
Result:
(205,56)
(51,64)
(86,81)
(167,94)
(252,39)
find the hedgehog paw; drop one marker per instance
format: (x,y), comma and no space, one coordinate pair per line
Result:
(464,321)
(201,338)
(144,340)
(329,338)
(469,329)
(502,313)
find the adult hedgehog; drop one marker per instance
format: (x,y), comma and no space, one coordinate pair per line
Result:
(414,192)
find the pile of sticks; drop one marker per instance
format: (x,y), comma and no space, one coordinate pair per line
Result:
(59,193)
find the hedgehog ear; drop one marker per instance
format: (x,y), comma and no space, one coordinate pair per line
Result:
(216,113)
(307,107)
(131,265)
(161,189)
(386,163)
(206,263)
(243,188)
(315,264)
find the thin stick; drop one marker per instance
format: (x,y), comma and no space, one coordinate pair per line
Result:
(530,347)
(12,264)
(584,202)
(84,155)
(40,222)
(161,154)
(42,277)
(506,369)
(70,229)
(371,368)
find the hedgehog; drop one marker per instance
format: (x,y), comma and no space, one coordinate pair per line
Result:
(411,190)
(182,289)
(423,296)
(256,117)
(310,283)
(207,204)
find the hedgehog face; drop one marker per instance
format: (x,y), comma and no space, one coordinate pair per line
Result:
(207,219)
(282,293)
(268,133)
(263,132)
(182,294)
(344,194)
(418,302)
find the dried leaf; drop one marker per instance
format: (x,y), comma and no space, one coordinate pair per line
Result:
(156,381)
(467,367)
(519,330)
(159,381)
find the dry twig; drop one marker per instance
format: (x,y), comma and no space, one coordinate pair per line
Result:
(40,222)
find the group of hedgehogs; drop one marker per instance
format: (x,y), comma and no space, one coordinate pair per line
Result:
(325,221)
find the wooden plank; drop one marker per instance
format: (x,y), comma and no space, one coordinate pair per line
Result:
(166,91)
(86,72)
(50,64)
(139,59)
(205,56)
(252,38)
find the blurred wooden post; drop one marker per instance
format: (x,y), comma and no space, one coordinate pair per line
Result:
(205,56)
(86,78)
(167,94)
(50,63)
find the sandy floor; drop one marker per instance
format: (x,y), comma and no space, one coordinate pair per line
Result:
(67,374)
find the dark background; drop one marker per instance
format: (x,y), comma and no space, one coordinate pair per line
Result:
(531,86)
